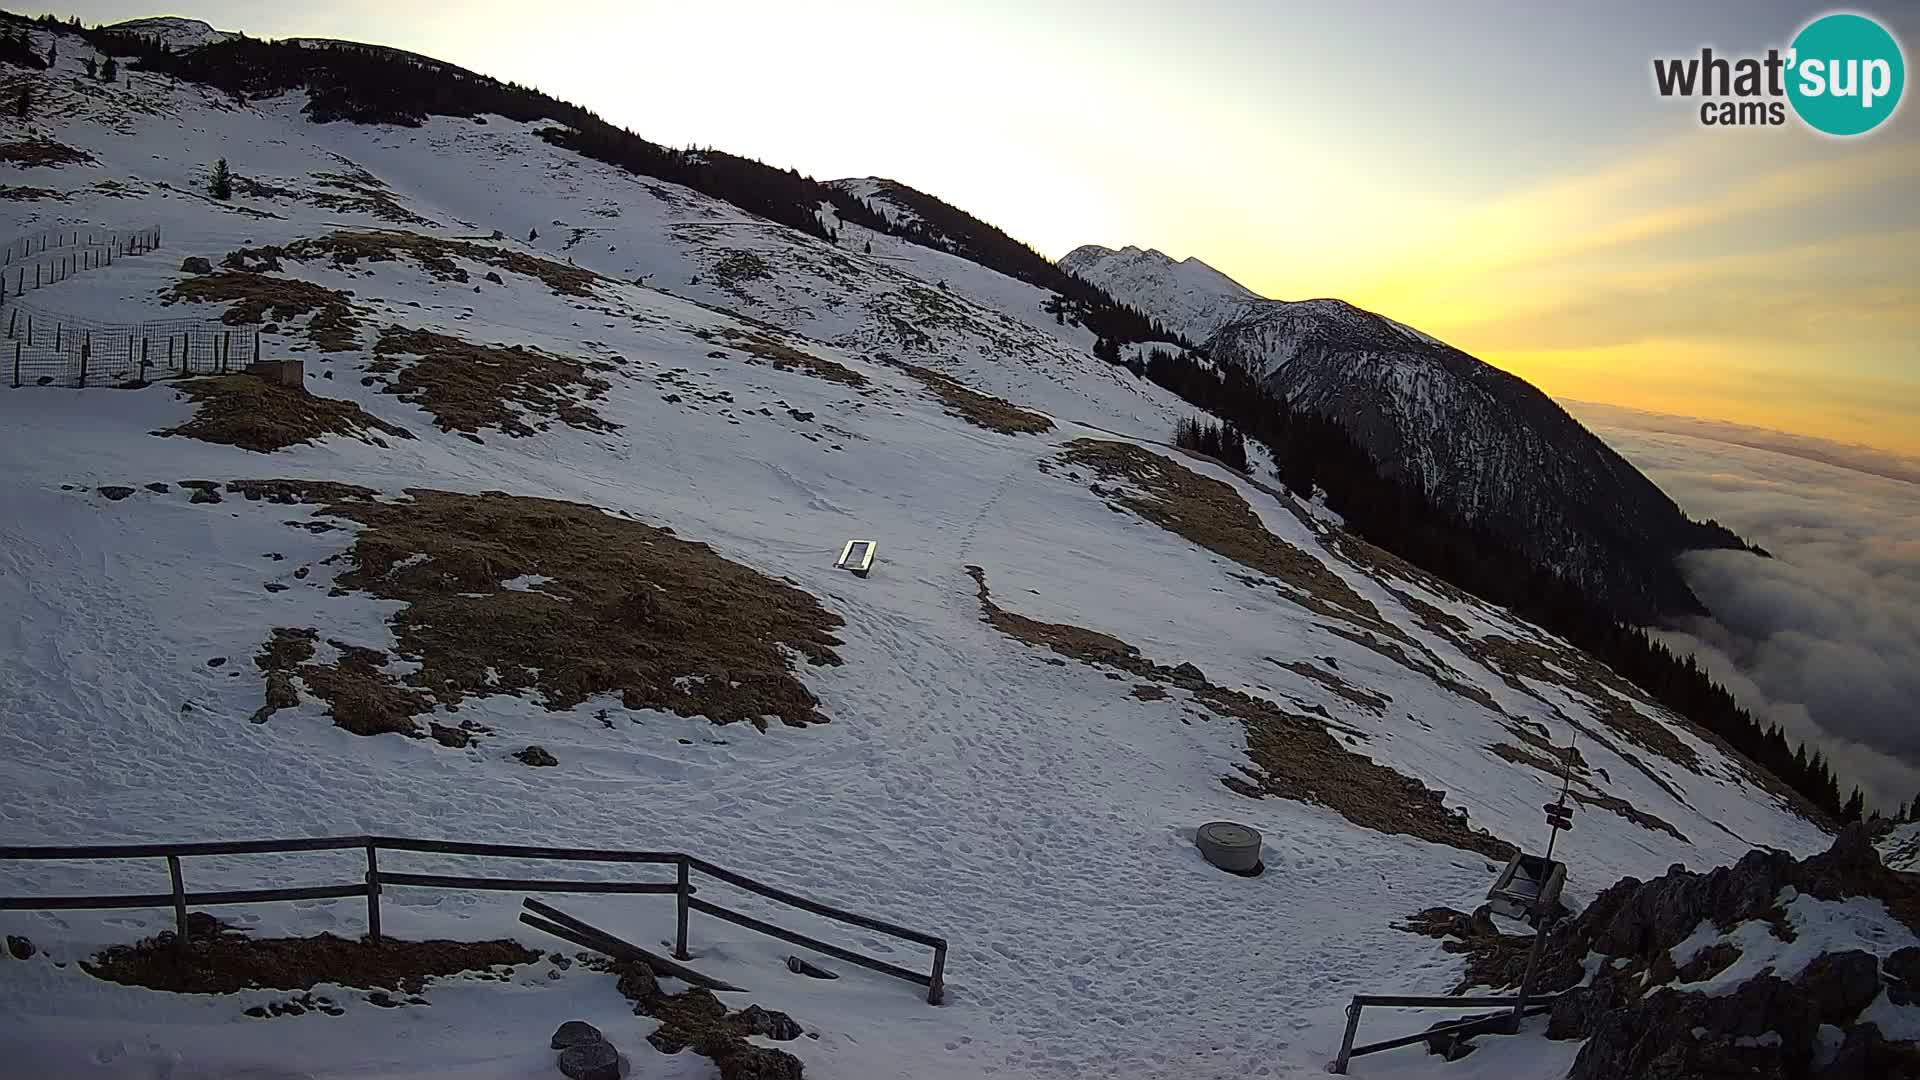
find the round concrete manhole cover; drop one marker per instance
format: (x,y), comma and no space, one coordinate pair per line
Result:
(1229,846)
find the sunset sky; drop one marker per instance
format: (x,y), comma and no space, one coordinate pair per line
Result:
(1500,175)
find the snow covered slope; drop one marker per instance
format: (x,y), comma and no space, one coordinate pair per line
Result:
(1476,440)
(174,32)
(1188,295)
(992,767)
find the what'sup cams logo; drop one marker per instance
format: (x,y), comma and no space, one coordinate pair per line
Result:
(1843,75)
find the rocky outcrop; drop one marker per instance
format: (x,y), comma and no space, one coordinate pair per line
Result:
(1639,1023)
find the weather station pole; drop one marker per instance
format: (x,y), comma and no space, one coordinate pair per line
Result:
(1559,818)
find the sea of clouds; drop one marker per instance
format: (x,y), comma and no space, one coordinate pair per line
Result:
(1823,638)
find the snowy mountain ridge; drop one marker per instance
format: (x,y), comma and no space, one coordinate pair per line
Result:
(1479,442)
(583,492)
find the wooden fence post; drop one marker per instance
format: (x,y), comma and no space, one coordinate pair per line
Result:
(256,346)
(143,359)
(226,350)
(937,988)
(16,365)
(169,352)
(56,334)
(179,907)
(373,895)
(86,349)
(680,940)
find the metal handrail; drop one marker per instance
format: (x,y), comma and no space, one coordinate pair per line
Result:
(376,880)
(1525,1005)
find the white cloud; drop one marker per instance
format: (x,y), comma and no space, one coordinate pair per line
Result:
(1824,638)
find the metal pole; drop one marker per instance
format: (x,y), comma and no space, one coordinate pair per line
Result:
(1346,1044)
(1542,918)
(680,942)
(373,895)
(179,907)
(937,988)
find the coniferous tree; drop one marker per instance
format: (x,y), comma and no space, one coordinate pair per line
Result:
(109,71)
(532,235)
(1855,805)
(220,184)
(92,68)
(23,108)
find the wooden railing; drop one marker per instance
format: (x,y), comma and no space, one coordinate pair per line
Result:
(376,880)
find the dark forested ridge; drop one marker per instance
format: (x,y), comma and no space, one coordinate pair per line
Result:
(1311,452)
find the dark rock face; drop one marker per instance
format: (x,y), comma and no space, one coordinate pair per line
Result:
(1577,1013)
(575,1033)
(590,1061)
(537,755)
(1767,1027)
(195,265)
(1903,976)
(1838,985)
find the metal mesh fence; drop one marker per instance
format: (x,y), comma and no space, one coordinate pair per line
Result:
(44,258)
(45,348)
(42,347)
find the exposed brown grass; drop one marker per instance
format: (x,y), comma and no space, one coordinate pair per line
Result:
(514,389)
(1494,959)
(697,1020)
(1611,696)
(734,270)
(1295,756)
(254,414)
(227,962)
(1074,642)
(436,256)
(361,697)
(36,152)
(1214,516)
(630,609)
(1364,698)
(1425,664)
(1584,791)
(254,297)
(359,191)
(980,410)
(31,194)
(785,357)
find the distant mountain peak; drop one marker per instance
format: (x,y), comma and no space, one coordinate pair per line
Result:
(1481,443)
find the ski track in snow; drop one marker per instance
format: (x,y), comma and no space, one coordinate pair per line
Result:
(1034,814)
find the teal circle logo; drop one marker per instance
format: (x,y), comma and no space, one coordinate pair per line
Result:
(1847,74)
